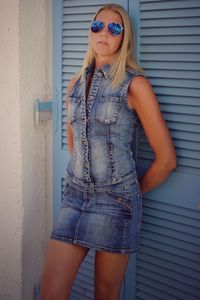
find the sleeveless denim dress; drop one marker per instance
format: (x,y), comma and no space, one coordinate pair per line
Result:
(101,207)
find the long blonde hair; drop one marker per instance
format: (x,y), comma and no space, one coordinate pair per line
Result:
(125,54)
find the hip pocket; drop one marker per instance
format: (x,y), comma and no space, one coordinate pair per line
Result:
(67,186)
(122,200)
(65,194)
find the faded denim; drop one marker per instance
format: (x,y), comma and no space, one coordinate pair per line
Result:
(102,203)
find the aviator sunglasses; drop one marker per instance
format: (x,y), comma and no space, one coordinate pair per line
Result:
(113,28)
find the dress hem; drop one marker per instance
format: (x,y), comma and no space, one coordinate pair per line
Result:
(94,246)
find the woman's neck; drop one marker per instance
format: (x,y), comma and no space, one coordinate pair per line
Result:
(99,62)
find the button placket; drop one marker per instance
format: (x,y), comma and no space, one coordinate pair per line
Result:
(84,140)
(86,107)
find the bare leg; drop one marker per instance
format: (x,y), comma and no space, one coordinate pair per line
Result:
(62,263)
(109,273)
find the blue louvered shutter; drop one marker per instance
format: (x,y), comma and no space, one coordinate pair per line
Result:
(168,266)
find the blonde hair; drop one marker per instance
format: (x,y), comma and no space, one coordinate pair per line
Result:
(125,54)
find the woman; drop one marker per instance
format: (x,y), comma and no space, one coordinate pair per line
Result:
(102,202)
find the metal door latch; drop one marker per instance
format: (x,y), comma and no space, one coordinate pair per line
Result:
(43,111)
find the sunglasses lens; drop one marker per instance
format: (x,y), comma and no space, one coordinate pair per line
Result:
(96,26)
(115,28)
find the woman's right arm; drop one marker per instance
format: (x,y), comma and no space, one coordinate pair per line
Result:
(143,99)
(69,128)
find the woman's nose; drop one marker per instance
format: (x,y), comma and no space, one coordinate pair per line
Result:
(105,31)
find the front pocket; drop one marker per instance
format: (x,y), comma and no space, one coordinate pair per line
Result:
(72,108)
(66,195)
(121,199)
(67,185)
(107,110)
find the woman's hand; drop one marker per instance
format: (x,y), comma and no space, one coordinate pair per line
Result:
(142,98)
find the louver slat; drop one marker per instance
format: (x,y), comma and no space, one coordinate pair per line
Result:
(170,255)
(169,42)
(168,265)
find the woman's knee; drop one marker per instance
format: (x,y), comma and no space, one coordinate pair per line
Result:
(107,291)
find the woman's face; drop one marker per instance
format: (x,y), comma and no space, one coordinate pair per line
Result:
(103,43)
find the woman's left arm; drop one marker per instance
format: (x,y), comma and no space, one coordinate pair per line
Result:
(142,98)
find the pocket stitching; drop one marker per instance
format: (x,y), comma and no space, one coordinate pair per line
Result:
(113,118)
(67,186)
(114,197)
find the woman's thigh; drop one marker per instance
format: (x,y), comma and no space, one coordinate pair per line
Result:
(61,265)
(109,273)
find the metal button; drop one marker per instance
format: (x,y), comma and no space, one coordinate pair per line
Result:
(119,199)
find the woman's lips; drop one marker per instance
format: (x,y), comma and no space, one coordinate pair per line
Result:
(102,43)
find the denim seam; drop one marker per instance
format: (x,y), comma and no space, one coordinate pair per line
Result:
(96,246)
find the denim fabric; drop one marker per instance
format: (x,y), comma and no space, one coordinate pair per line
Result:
(103,129)
(105,221)
(102,203)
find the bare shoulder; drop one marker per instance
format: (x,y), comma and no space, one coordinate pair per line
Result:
(141,92)
(70,86)
(71,83)
(140,85)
